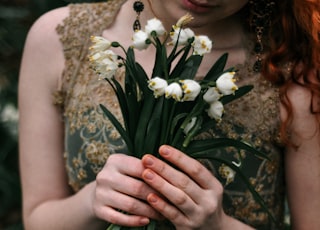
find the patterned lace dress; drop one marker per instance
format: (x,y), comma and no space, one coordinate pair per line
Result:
(90,138)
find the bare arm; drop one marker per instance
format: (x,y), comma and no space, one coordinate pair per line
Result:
(303,164)
(47,201)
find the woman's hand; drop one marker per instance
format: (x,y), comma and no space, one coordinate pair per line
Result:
(119,187)
(191,197)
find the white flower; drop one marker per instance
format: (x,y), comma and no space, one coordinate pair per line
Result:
(211,95)
(108,69)
(99,44)
(9,116)
(225,83)
(191,89)
(174,90)
(156,26)
(105,63)
(215,110)
(9,113)
(190,125)
(100,56)
(202,45)
(183,34)
(140,40)
(158,86)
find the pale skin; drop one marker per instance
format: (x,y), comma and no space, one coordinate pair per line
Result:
(195,194)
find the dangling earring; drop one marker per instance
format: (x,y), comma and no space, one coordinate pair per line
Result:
(138,7)
(260,21)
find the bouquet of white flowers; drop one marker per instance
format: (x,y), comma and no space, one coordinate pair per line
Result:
(170,107)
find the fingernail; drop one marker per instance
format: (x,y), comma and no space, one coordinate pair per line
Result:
(165,150)
(148,161)
(148,175)
(152,199)
(144,221)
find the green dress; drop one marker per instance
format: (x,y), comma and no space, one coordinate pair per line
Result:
(90,137)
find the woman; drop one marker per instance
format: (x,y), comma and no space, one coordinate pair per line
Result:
(70,179)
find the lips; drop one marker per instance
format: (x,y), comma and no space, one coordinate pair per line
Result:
(199,4)
(196,6)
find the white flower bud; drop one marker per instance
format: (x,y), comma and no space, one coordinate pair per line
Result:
(174,90)
(140,40)
(99,44)
(215,110)
(202,45)
(158,86)
(225,83)
(191,89)
(184,35)
(211,95)
(190,125)
(156,26)
(184,20)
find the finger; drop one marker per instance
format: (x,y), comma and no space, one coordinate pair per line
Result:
(172,175)
(132,187)
(169,211)
(129,205)
(115,217)
(174,194)
(190,166)
(123,173)
(125,164)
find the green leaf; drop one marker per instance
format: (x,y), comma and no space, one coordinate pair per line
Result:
(114,227)
(217,68)
(160,68)
(174,123)
(136,72)
(119,127)
(196,110)
(191,67)
(122,100)
(179,67)
(133,105)
(168,111)
(142,79)
(205,147)
(192,132)
(238,93)
(145,115)
(154,125)
(151,225)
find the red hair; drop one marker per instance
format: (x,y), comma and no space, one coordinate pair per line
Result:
(295,39)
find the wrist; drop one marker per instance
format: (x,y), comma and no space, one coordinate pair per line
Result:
(88,191)
(228,222)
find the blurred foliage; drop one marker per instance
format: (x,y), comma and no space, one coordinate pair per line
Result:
(16,17)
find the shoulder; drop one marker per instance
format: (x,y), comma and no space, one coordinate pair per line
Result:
(304,121)
(42,59)
(42,37)
(45,26)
